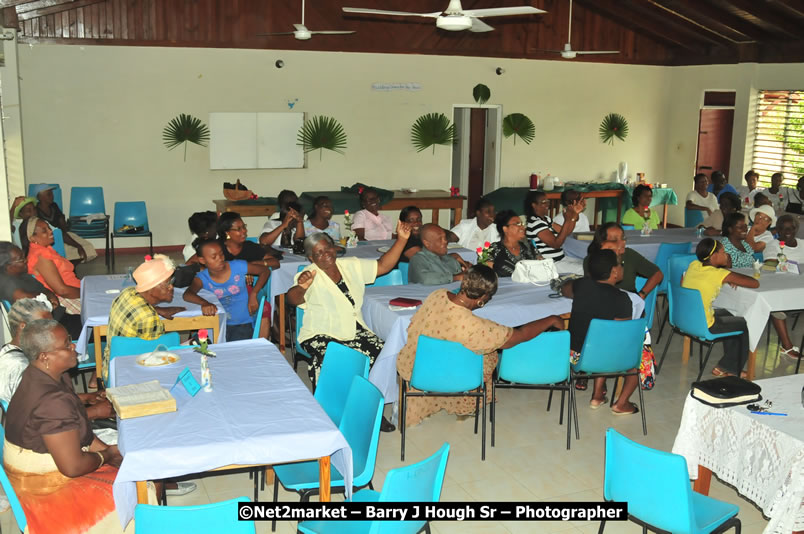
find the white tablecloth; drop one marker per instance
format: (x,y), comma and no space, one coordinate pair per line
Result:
(762,456)
(259,412)
(512,305)
(647,246)
(282,278)
(776,292)
(96,303)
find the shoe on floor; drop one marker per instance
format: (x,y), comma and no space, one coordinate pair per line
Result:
(636,410)
(595,404)
(183,489)
(386,425)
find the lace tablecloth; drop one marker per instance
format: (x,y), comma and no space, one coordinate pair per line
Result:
(762,456)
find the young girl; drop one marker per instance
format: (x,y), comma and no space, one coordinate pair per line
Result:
(369,224)
(227,280)
(708,275)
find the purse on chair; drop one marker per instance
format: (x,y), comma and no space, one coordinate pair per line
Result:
(536,272)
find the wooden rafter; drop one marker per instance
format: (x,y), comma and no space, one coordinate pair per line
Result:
(761,14)
(712,19)
(12,3)
(40,4)
(41,12)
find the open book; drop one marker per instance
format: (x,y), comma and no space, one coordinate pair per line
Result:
(136,400)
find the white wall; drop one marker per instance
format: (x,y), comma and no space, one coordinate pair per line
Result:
(94,115)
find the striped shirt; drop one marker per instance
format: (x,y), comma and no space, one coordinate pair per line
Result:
(536,225)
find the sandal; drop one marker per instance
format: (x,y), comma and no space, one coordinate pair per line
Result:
(636,410)
(790,352)
(581,384)
(717,371)
(595,404)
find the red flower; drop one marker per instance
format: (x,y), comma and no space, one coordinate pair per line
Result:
(781,243)
(148,257)
(486,244)
(360,190)
(202,335)
(747,200)
(479,250)
(346,212)
(253,196)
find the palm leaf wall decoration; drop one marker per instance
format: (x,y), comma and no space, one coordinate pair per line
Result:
(430,130)
(519,125)
(481,93)
(613,125)
(185,129)
(321,133)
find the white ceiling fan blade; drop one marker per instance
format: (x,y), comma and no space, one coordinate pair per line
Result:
(332,32)
(503,11)
(587,52)
(362,11)
(479,26)
(275,33)
(546,50)
(300,27)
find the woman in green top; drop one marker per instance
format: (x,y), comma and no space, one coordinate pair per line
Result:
(641,212)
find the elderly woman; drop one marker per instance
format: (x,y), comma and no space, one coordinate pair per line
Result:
(51,269)
(728,203)
(759,237)
(134,312)
(58,467)
(548,237)
(77,248)
(321,219)
(513,247)
(232,233)
(641,214)
(447,315)
(12,360)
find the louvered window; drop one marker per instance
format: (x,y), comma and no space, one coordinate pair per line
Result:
(779,136)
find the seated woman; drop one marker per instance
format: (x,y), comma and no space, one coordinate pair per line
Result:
(12,360)
(321,219)
(446,315)
(227,281)
(330,291)
(748,191)
(22,208)
(713,225)
(641,214)
(707,275)
(513,247)
(77,248)
(569,197)
(548,237)
(286,225)
(203,225)
(699,198)
(787,226)
(760,237)
(48,267)
(738,249)
(232,233)
(412,216)
(792,198)
(480,229)
(368,223)
(58,467)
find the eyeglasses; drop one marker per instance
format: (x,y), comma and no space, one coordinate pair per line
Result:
(519,224)
(239,228)
(167,283)
(544,202)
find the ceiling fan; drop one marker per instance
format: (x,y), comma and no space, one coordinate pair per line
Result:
(455,18)
(568,52)
(302,33)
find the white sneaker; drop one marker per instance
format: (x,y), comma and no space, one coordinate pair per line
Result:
(183,489)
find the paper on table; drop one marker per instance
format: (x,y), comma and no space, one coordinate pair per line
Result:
(401,308)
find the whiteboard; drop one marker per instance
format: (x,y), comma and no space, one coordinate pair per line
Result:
(255,141)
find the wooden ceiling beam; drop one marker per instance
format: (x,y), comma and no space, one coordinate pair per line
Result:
(614,10)
(690,29)
(40,4)
(12,3)
(58,8)
(760,14)
(711,19)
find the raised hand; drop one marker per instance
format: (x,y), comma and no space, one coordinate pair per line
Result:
(305,279)
(402,230)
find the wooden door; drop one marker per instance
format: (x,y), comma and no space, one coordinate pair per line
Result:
(714,141)
(477,148)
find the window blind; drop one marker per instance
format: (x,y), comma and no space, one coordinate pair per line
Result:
(779,136)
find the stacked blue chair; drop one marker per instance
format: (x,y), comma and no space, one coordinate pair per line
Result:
(132,214)
(613,349)
(87,201)
(16,507)
(540,363)
(419,483)
(665,502)
(360,425)
(693,218)
(340,366)
(667,251)
(200,519)
(445,369)
(127,346)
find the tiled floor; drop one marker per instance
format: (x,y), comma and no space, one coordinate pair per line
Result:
(530,461)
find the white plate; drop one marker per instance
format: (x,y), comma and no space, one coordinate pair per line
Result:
(384,249)
(162,358)
(409,190)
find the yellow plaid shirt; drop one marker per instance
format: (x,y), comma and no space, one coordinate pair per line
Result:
(131,316)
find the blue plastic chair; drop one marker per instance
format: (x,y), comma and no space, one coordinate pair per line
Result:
(420,482)
(664,502)
(688,318)
(760,257)
(360,425)
(127,346)
(299,353)
(628,227)
(88,366)
(133,214)
(445,369)
(58,242)
(676,267)
(611,349)
(57,197)
(4,405)
(85,201)
(391,278)
(16,507)
(258,319)
(6,305)
(662,256)
(650,302)
(693,218)
(341,364)
(540,363)
(200,519)
(404,267)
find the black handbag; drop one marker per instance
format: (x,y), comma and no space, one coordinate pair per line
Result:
(725,392)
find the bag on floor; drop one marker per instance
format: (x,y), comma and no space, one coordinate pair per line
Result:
(646,368)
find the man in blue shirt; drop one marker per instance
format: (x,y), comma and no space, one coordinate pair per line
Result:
(720,185)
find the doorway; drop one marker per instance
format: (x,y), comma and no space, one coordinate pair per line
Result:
(476,154)
(715,127)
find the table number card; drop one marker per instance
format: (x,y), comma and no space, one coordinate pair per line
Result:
(189,382)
